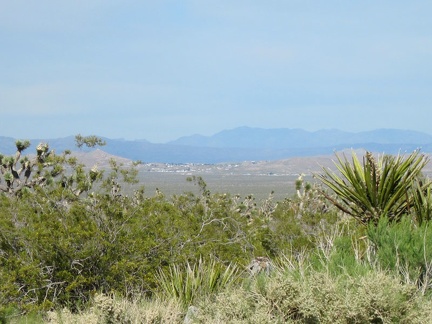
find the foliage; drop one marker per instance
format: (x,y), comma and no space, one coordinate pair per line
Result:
(80,233)
(295,292)
(405,248)
(45,170)
(109,308)
(342,250)
(298,223)
(188,283)
(422,201)
(298,294)
(373,189)
(89,141)
(80,241)
(19,173)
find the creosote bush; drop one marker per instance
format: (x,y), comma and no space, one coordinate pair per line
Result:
(62,240)
(404,248)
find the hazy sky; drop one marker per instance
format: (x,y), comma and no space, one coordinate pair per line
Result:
(159,70)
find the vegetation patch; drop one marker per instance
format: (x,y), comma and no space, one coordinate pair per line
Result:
(75,246)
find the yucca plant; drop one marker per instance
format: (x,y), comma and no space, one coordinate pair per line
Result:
(188,282)
(422,201)
(373,189)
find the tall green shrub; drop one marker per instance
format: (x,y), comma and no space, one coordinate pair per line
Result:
(297,224)
(405,248)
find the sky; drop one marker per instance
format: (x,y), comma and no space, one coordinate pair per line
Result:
(159,70)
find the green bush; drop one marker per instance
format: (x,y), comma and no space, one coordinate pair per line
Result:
(58,249)
(297,225)
(405,248)
(76,241)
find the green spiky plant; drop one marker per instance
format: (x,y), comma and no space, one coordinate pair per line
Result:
(373,189)
(422,201)
(188,282)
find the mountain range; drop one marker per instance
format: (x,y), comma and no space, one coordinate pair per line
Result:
(249,144)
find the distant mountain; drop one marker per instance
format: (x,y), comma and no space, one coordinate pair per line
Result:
(284,138)
(248,144)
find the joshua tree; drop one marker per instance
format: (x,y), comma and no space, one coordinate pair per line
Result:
(18,172)
(89,141)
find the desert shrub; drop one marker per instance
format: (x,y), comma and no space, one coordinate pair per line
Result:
(318,297)
(221,226)
(340,257)
(64,239)
(113,309)
(297,225)
(405,248)
(74,230)
(57,248)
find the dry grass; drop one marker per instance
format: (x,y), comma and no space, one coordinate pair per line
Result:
(319,298)
(289,295)
(109,309)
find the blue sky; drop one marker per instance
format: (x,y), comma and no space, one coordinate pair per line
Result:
(158,70)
